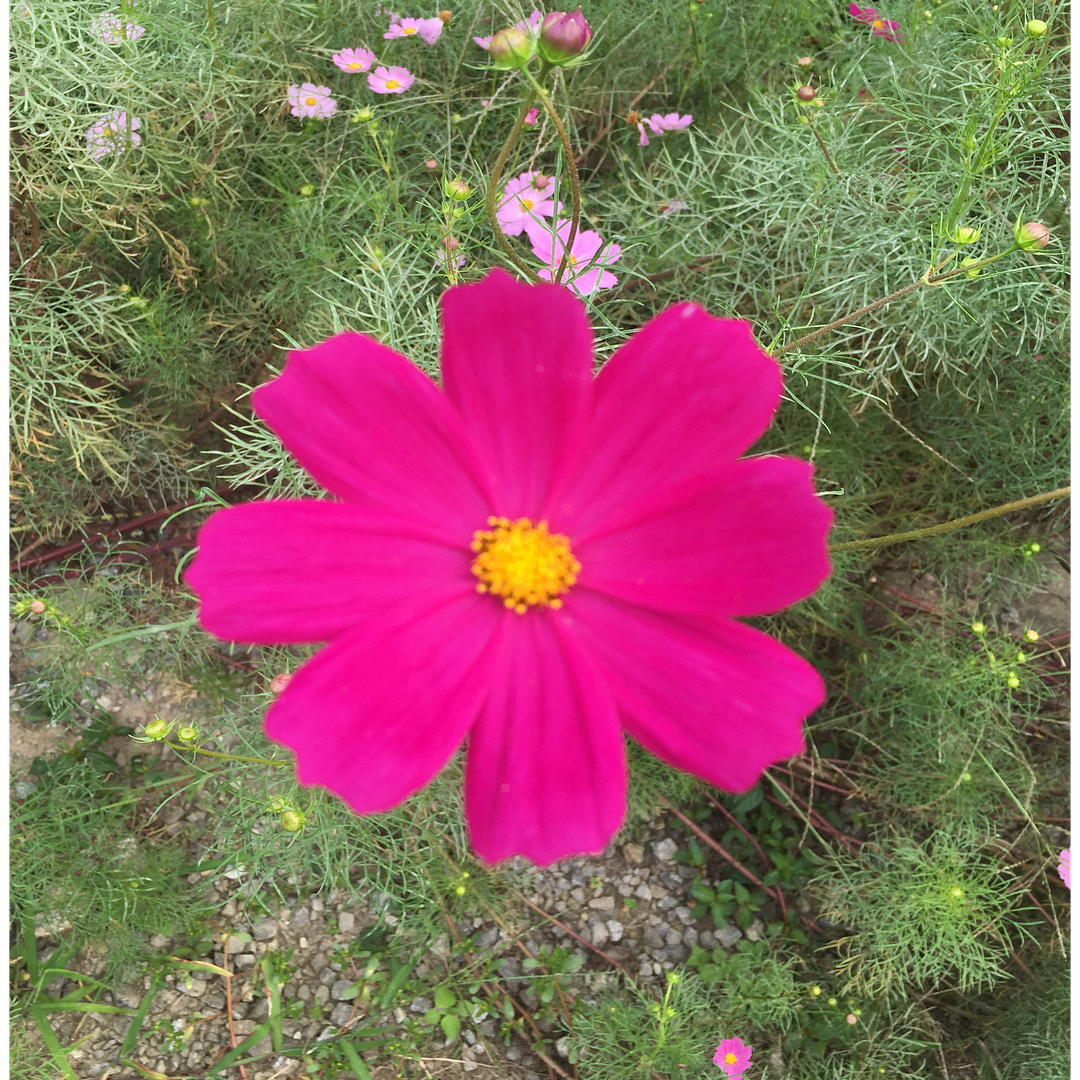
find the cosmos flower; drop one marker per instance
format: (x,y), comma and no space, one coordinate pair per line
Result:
(885,28)
(354,60)
(427,30)
(531,117)
(1065,868)
(307,99)
(112,28)
(733,1056)
(672,122)
(673,207)
(530,558)
(393,80)
(589,256)
(109,135)
(523,203)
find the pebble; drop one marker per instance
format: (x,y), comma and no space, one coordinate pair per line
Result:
(643,892)
(755,931)
(322,995)
(633,854)
(690,937)
(265,930)
(327,976)
(603,903)
(615,929)
(301,918)
(421,1004)
(346,921)
(488,938)
(665,849)
(729,935)
(159,941)
(653,938)
(317,904)
(337,991)
(707,940)
(341,1014)
(598,934)
(682,912)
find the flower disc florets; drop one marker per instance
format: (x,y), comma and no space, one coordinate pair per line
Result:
(523,563)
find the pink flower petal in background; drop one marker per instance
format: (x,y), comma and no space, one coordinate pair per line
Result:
(307,99)
(112,28)
(428,30)
(643,139)
(529,26)
(549,720)
(672,122)
(523,204)
(393,80)
(589,256)
(885,28)
(1065,868)
(354,60)
(539,678)
(531,117)
(111,133)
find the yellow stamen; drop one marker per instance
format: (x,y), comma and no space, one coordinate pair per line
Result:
(730,1058)
(354,65)
(107,132)
(572,260)
(525,204)
(392,84)
(408,29)
(877,24)
(523,563)
(310,101)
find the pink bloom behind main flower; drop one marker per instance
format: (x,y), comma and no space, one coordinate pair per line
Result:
(885,28)
(392,80)
(1065,868)
(307,99)
(672,122)
(109,135)
(530,558)
(354,60)
(528,26)
(427,30)
(589,256)
(523,203)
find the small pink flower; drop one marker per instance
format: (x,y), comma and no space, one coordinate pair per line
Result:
(1065,868)
(672,122)
(112,28)
(307,99)
(589,256)
(393,80)
(354,60)
(448,255)
(673,207)
(531,117)
(485,102)
(524,203)
(109,135)
(426,29)
(643,139)
(885,28)
(484,42)
(733,1056)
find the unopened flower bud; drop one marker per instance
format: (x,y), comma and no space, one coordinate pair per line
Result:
(1004,42)
(156,729)
(1036,547)
(1036,28)
(967,261)
(457,190)
(1013,680)
(37,607)
(445,16)
(279,682)
(188,734)
(805,61)
(511,48)
(307,190)
(851,1019)
(978,628)
(806,93)
(292,821)
(563,35)
(965,234)
(1031,635)
(815,990)
(197,200)
(1032,236)
(431,163)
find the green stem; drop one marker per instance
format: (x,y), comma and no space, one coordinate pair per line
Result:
(575,183)
(926,279)
(493,193)
(957,523)
(227,757)
(824,148)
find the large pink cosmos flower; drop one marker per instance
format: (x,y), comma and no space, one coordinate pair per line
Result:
(531,558)
(427,30)
(885,28)
(733,1056)
(307,99)
(524,203)
(354,60)
(589,255)
(391,80)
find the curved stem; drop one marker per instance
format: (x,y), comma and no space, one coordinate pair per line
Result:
(227,757)
(575,183)
(957,523)
(493,193)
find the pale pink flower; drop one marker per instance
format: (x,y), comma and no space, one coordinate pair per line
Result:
(733,1056)
(672,122)
(484,42)
(673,207)
(531,117)
(307,99)
(426,29)
(524,204)
(1065,868)
(531,25)
(643,140)
(112,28)
(392,80)
(109,135)
(589,255)
(354,60)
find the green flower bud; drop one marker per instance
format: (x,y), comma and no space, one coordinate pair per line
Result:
(563,35)
(1004,42)
(1013,680)
(197,200)
(978,628)
(965,234)
(123,289)
(188,734)
(1031,635)
(1031,236)
(361,116)
(967,261)
(511,48)
(292,821)
(457,190)
(1036,28)
(307,189)
(156,729)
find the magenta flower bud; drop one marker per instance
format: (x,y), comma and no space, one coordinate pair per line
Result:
(806,93)
(1033,236)
(511,48)
(37,607)
(563,35)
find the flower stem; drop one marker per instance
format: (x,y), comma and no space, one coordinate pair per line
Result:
(926,279)
(575,183)
(824,148)
(227,757)
(956,523)
(493,193)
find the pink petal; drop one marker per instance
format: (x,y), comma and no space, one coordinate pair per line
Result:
(545,774)
(517,362)
(684,395)
(745,539)
(379,711)
(282,572)
(370,427)
(717,699)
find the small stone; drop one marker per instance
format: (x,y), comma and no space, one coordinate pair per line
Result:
(643,892)
(197,988)
(603,903)
(322,995)
(578,894)
(673,937)
(755,931)
(729,935)
(654,939)
(243,962)
(260,1010)
(341,1015)
(666,902)
(514,1052)
(690,937)
(624,889)
(317,904)
(337,991)
(159,941)
(633,854)
(615,929)
(266,930)
(346,921)
(707,940)
(301,918)
(598,932)
(488,938)
(399,1016)
(328,975)
(682,913)
(420,1005)
(665,849)
(658,891)
(304,943)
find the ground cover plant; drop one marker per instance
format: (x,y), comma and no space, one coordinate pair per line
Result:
(199,189)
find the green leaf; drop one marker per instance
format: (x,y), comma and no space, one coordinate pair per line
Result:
(698,910)
(749,801)
(721,912)
(451,1025)
(700,891)
(742,894)
(237,1051)
(139,1018)
(50,1040)
(531,962)
(744,918)
(432,1015)
(444,997)
(394,985)
(796,934)
(356,1062)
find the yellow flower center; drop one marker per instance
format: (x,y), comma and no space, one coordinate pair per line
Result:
(525,204)
(392,84)
(877,24)
(354,65)
(730,1058)
(408,29)
(523,563)
(572,260)
(309,101)
(107,132)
